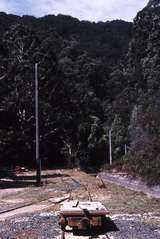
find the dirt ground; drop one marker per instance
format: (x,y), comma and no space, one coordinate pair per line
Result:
(27,211)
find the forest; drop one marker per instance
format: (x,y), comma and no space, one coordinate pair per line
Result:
(93,77)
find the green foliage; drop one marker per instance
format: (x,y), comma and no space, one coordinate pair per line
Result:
(143,59)
(87,85)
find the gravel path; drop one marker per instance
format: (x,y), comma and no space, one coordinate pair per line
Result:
(44,226)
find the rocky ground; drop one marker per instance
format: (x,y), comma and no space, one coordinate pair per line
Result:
(30,212)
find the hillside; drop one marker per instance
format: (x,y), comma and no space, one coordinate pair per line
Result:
(92,77)
(143,79)
(78,67)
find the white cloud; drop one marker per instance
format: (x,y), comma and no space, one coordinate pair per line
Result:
(5,6)
(93,10)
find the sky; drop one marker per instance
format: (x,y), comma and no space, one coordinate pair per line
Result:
(92,10)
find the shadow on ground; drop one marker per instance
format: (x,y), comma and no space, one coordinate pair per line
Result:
(13,181)
(107,226)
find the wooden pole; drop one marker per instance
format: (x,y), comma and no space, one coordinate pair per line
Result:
(110,147)
(125,149)
(38,161)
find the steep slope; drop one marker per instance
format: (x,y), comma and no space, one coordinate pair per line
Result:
(78,80)
(153,3)
(143,78)
(109,40)
(88,84)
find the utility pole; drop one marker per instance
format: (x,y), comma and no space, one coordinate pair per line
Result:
(125,148)
(38,161)
(110,147)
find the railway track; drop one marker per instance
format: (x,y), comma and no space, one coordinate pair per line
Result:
(40,205)
(48,202)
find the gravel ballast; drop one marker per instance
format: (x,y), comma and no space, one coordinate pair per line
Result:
(39,226)
(44,226)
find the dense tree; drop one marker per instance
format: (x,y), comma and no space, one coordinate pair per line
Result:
(143,69)
(91,79)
